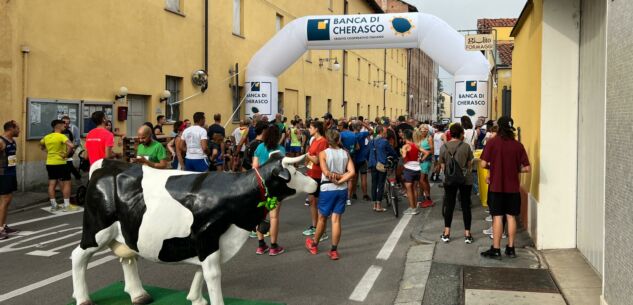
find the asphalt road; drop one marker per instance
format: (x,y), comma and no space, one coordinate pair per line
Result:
(35,266)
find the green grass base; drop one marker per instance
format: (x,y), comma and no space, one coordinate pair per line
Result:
(114,295)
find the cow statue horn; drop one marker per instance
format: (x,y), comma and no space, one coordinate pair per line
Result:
(288,160)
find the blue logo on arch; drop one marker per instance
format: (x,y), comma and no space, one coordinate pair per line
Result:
(401,25)
(255,86)
(318,29)
(471,85)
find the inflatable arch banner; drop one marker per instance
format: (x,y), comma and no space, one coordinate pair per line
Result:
(373,31)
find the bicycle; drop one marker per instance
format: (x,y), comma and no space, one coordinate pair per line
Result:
(390,186)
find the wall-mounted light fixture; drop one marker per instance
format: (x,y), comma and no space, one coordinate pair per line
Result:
(122,93)
(165,95)
(335,66)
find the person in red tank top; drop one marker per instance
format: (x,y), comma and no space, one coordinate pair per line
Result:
(99,140)
(411,174)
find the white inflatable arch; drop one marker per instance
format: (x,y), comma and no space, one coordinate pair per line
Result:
(375,31)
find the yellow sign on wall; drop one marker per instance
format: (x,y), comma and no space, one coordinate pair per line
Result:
(479,42)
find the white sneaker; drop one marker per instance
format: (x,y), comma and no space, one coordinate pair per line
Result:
(489,218)
(488,231)
(349,202)
(503,236)
(411,211)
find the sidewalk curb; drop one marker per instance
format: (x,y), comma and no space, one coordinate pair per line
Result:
(416,273)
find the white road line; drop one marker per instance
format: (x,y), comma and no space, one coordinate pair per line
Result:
(10,248)
(51,252)
(21,234)
(392,241)
(43,218)
(50,280)
(364,286)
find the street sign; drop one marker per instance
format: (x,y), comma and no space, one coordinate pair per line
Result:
(479,42)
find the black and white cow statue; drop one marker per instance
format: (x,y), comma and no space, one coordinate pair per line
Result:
(172,216)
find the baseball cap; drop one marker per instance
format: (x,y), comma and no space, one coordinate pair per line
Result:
(506,122)
(327,115)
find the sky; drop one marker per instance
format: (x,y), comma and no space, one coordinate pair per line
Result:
(463,15)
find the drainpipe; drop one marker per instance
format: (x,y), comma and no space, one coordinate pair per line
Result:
(206,42)
(25,70)
(384,91)
(343,102)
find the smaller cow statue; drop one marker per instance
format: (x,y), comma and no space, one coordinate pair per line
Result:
(172,216)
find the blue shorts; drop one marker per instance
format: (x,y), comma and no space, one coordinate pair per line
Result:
(332,202)
(294,149)
(196,165)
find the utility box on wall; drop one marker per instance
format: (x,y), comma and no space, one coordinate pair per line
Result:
(121,113)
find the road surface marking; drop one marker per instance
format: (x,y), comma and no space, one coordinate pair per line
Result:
(50,280)
(29,233)
(392,241)
(51,252)
(10,248)
(55,215)
(364,286)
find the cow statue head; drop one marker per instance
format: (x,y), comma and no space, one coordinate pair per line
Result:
(286,179)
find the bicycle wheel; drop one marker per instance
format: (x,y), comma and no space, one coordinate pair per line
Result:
(394,201)
(387,193)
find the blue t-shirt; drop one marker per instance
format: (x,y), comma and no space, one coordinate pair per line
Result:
(348,139)
(262,153)
(363,146)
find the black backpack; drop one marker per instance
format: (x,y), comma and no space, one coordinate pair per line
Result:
(453,173)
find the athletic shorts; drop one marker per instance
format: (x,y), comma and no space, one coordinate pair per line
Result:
(8,184)
(361,167)
(436,158)
(58,172)
(504,203)
(425,167)
(294,149)
(411,175)
(318,189)
(332,202)
(197,165)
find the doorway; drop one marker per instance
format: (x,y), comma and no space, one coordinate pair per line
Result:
(136,113)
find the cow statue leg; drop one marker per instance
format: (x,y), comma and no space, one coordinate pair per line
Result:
(133,285)
(80,258)
(195,292)
(212,275)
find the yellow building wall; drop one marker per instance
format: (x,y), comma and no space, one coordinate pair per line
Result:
(135,44)
(504,78)
(526,91)
(503,33)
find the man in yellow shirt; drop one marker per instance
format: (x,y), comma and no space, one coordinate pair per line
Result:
(57,145)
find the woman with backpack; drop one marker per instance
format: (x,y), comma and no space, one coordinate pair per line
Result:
(456,158)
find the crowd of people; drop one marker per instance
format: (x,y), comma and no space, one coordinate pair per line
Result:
(339,155)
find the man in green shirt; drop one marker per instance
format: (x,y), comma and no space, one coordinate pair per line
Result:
(150,152)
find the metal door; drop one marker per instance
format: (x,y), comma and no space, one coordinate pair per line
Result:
(136,113)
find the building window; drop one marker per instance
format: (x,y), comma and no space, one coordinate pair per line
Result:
(329,105)
(238,14)
(174,6)
(308,105)
(173,84)
(279,22)
(280,102)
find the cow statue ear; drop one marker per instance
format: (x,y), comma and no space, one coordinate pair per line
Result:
(282,173)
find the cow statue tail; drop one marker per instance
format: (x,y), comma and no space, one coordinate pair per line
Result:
(95,166)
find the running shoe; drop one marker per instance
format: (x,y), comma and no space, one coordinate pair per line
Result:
(3,234)
(426,204)
(324,237)
(276,251)
(489,218)
(488,231)
(9,230)
(445,238)
(354,196)
(309,231)
(366,198)
(71,208)
(349,202)
(311,247)
(253,234)
(333,255)
(411,211)
(262,250)
(55,208)
(468,239)
(510,252)
(492,253)
(307,202)
(503,236)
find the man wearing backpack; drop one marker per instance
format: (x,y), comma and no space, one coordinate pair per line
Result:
(456,160)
